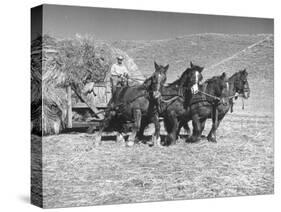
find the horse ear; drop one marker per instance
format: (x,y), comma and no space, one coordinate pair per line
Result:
(223,76)
(201,69)
(191,64)
(245,72)
(166,68)
(156,66)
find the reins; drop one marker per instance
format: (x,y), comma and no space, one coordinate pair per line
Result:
(128,78)
(209,95)
(217,98)
(170,100)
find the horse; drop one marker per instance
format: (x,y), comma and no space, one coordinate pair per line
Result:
(173,101)
(204,105)
(130,104)
(237,85)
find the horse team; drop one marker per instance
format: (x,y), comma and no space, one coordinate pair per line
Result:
(186,99)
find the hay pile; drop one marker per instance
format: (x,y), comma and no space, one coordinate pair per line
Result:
(55,64)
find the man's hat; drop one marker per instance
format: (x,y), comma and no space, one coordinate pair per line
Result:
(120,57)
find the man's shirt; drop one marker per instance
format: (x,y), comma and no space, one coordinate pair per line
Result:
(117,70)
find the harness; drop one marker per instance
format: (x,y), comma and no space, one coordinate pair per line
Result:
(215,99)
(174,97)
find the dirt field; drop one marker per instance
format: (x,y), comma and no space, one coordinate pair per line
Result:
(241,163)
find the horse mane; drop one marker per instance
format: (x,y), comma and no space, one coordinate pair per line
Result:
(213,79)
(234,75)
(142,85)
(146,80)
(177,81)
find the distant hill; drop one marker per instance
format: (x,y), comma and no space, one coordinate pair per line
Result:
(202,49)
(217,53)
(258,59)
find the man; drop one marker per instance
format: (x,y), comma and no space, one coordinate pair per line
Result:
(119,74)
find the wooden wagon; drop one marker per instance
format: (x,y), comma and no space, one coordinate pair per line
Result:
(92,104)
(95,105)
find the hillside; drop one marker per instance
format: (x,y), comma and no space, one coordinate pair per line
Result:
(203,49)
(258,59)
(217,53)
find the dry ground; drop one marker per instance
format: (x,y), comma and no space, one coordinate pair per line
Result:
(241,163)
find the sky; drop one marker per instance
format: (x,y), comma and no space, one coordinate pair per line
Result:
(116,24)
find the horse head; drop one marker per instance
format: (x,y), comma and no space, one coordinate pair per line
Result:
(241,85)
(218,86)
(192,77)
(155,83)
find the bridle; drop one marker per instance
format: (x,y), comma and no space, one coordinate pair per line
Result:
(237,88)
(155,85)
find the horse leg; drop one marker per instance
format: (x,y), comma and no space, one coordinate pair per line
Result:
(167,125)
(140,133)
(98,136)
(91,129)
(186,127)
(184,124)
(156,137)
(136,127)
(196,129)
(173,128)
(203,122)
(105,123)
(120,139)
(212,134)
(181,124)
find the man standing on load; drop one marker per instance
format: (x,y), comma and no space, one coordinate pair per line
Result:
(119,74)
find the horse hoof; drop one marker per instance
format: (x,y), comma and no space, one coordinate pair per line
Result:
(158,141)
(120,139)
(191,139)
(155,141)
(169,140)
(210,139)
(96,144)
(130,143)
(97,138)
(150,143)
(137,141)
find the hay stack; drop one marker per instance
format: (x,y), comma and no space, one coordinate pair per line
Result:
(55,64)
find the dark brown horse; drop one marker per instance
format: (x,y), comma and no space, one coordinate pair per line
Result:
(204,104)
(130,104)
(173,101)
(237,85)
(177,113)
